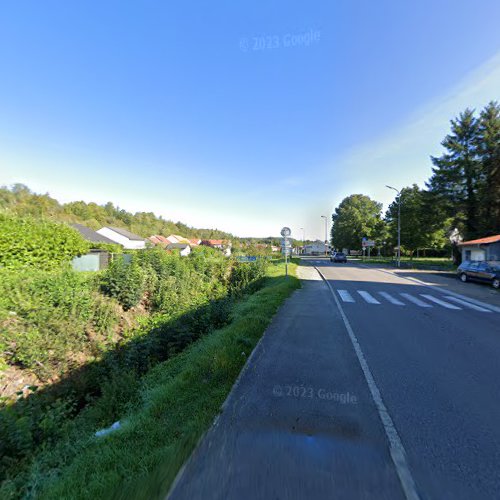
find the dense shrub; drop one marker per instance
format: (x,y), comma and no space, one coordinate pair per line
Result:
(125,281)
(245,276)
(52,322)
(40,243)
(44,317)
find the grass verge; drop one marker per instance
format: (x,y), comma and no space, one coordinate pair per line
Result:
(176,403)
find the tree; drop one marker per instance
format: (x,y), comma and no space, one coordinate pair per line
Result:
(422,226)
(357,216)
(488,150)
(456,175)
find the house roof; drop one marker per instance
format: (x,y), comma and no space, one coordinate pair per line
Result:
(180,246)
(213,242)
(194,241)
(127,234)
(175,238)
(90,235)
(482,241)
(158,238)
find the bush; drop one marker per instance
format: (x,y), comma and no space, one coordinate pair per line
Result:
(40,243)
(124,281)
(245,276)
(44,317)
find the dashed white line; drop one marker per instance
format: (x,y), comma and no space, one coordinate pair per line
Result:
(368,298)
(345,296)
(440,302)
(415,300)
(391,299)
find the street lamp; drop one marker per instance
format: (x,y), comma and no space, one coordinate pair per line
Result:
(303,240)
(326,233)
(399,222)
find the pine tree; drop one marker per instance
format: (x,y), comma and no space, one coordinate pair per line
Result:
(488,149)
(456,174)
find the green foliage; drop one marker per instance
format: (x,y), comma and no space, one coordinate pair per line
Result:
(124,281)
(164,414)
(246,275)
(44,244)
(58,323)
(356,216)
(19,200)
(421,225)
(466,179)
(45,316)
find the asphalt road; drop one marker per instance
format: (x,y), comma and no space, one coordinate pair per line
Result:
(368,386)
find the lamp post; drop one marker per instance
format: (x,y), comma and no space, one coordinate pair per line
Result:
(303,240)
(326,233)
(399,222)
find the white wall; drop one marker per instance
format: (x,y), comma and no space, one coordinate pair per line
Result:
(185,251)
(122,240)
(475,253)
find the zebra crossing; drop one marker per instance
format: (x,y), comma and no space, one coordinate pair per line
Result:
(403,299)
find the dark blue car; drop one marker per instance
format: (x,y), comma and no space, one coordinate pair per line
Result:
(486,272)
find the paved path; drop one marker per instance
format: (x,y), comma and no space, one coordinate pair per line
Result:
(301,422)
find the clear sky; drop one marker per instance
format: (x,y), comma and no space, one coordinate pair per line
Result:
(245,116)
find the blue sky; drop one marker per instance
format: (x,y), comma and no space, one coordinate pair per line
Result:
(245,116)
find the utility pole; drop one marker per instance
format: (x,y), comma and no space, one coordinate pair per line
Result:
(399,222)
(303,240)
(326,233)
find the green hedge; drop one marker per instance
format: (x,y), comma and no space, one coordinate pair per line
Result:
(40,243)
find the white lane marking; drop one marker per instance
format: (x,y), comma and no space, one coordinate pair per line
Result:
(391,299)
(368,297)
(440,302)
(345,296)
(398,453)
(437,288)
(415,300)
(467,304)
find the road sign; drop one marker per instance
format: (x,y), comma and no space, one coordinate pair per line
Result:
(286,231)
(285,242)
(367,243)
(246,258)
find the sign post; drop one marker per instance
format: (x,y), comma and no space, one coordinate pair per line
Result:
(286,246)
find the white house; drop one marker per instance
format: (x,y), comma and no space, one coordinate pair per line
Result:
(129,240)
(316,248)
(481,249)
(184,248)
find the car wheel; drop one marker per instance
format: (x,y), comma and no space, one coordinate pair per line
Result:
(463,277)
(496,283)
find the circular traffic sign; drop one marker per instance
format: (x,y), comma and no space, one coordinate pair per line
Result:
(285,232)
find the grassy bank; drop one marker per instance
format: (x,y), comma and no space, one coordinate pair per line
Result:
(162,418)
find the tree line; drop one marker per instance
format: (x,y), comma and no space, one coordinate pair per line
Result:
(460,200)
(20,200)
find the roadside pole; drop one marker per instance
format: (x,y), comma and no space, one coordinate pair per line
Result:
(286,245)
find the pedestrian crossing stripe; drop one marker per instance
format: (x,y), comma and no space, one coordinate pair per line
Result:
(391,299)
(368,298)
(422,300)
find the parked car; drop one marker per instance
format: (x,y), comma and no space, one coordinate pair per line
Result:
(486,272)
(338,257)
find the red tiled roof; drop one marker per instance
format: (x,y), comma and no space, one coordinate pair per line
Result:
(163,239)
(482,241)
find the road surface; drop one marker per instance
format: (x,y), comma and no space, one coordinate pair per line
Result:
(366,385)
